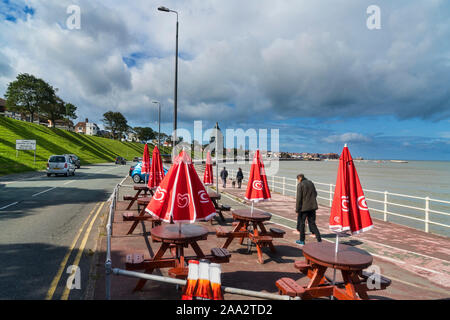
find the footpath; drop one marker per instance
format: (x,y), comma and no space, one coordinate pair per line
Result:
(418,263)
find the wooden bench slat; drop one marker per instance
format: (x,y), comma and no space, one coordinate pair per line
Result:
(277,233)
(179,273)
(220,252)
(288,286)
(384,282)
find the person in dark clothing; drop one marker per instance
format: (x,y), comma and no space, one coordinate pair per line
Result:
(306,206)
(239,177)
(224,175)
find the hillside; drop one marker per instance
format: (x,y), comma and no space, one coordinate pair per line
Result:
(55,141)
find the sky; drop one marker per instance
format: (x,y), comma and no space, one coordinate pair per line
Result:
(311,69)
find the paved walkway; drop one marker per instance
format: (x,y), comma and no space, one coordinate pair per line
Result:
(423,254)
(418,263)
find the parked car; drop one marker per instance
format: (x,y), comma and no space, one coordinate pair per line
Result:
(138,177)
(121,160)
(137,159)
(75,159)
(60,164)
(131,169)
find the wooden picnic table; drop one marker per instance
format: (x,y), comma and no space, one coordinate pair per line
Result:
(215,196)
(172,237)
(349,260)
(142,216)
(139,189)
(259,235)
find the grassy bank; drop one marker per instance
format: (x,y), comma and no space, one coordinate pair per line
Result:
(55,141)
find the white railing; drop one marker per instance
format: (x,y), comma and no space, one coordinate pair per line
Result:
(394,207)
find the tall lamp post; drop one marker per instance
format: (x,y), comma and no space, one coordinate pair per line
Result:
(159,123)
(176,80)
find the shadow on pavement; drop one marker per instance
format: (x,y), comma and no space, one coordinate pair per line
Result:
(29,268)
(59,196)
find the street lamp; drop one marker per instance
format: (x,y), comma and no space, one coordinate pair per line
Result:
(164,9)
(159,122)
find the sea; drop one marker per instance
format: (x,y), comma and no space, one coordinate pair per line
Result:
(413,178)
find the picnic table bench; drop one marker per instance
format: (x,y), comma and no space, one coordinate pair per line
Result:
(141,216)
(170,236)
(139,189)
(259,235)
(349,260)
(214,196)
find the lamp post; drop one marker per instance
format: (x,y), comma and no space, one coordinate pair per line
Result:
(164,9)
(159,122)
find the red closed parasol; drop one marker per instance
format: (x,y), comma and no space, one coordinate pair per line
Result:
(181,196)
(145,167)
(349,211)
(257,187)
(208,175)
(156,174)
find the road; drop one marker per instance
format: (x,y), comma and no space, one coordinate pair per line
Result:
(48,224)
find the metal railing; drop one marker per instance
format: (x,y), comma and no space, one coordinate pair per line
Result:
(108,262)
(179,282)
(388,206)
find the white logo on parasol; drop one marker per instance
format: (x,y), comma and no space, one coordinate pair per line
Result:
(183,200)
(337,219)
(204,198)
(257,184)
(362,205)
(160,194)
(344,203)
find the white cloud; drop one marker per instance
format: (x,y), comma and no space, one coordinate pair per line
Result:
(347,138)
(256,59)
(445,134)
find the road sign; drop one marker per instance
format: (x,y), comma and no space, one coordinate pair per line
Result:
(25,144)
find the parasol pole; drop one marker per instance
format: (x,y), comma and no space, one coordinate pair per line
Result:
(336,248)
(217,157)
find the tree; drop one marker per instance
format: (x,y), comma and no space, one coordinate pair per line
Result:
(116,122)
(54,110)
(70,110)
(145,134)
(27,94)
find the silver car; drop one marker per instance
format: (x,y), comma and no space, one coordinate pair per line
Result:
(60,165)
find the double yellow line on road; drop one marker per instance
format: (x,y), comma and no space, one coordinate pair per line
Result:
(63,264)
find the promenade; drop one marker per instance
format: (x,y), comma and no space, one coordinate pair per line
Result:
(417,263)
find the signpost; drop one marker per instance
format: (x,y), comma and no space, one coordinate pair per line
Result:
(26,145)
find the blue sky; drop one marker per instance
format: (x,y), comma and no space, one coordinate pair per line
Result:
(312,70)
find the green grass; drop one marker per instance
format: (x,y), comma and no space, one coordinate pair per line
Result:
(55,141)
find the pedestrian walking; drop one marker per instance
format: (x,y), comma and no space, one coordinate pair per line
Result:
(224,175)
(306,206)
(239,177)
